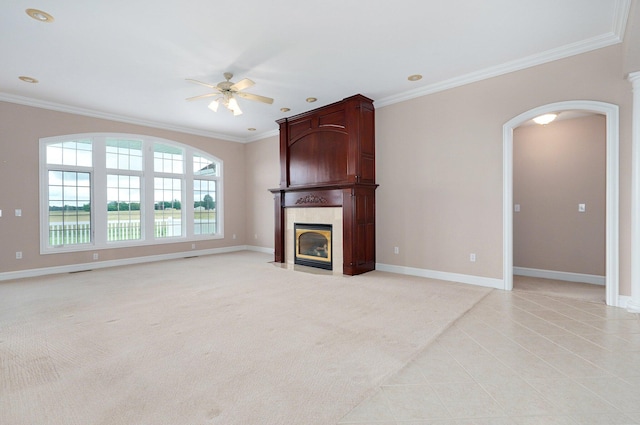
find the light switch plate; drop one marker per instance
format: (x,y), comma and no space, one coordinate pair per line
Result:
(582,207)
(18,213)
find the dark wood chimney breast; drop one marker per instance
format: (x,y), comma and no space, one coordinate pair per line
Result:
(327,159)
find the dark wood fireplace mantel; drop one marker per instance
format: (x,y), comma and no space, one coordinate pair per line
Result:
(327,159)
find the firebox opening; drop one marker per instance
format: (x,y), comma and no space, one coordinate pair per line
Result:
(313,245)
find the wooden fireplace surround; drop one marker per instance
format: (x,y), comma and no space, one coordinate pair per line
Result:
(327,159)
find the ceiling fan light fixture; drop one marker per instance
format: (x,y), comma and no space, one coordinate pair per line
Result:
(234,107)
(545,119)
(225,93)
(214,105)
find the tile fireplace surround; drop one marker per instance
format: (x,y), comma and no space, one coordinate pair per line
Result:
(325,215)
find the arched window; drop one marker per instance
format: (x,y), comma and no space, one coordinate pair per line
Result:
(115,190)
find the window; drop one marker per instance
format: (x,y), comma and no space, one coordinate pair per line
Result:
(167,159)
(204,195)
(68,200)
(168,206)
(69,207)
(111,190)
(123,154)
(71,153)
(124,172)
(123,208)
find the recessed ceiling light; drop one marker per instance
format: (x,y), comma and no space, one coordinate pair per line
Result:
(311,99)
(39,15)
(414,77)
(251,129)
(545,119)
(28,79)
(285,109)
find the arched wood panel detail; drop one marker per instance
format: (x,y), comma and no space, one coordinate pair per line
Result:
(319,158)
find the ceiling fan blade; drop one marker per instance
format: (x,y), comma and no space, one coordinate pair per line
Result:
(203,84)
(255,97)
(242,84)
(202,96)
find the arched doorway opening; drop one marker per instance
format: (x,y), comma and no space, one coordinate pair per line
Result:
(612,190)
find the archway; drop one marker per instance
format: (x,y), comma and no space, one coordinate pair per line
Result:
(612,190)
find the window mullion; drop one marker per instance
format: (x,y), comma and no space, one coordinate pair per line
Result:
(99,213)
(188,210)
(147,194)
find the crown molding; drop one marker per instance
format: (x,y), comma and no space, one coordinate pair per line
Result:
(263,136)
(621,17)
(43,104)
(619,24)
(519,64)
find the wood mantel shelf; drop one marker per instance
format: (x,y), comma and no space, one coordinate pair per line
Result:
(327,159)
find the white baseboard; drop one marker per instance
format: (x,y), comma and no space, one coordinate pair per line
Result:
(627,302)
(623,301)
(556,275)
(451,277)
(260,249)
(19,274)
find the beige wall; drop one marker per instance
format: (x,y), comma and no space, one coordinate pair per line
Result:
(440,163)
(555,168)
(23,126)
(439,166)
(263,173)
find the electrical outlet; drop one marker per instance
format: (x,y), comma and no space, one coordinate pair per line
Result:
(95,255)
(255,236)
(18,255)
(234,236)
(18,213)
(193,246)
(396,250)
(472,258)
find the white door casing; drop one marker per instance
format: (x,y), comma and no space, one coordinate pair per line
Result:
(611,112)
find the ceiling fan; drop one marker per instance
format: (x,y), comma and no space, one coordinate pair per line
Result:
(226,92)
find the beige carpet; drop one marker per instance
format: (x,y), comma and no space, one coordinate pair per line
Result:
(225,339)
(559,288)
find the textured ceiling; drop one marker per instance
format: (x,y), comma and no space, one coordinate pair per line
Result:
(128,60)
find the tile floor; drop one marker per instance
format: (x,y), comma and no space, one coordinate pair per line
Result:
(519,358)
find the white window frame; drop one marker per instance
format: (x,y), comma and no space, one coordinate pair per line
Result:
(99,173)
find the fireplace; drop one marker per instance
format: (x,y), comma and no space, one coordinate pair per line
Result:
(313,245)
(327,161)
